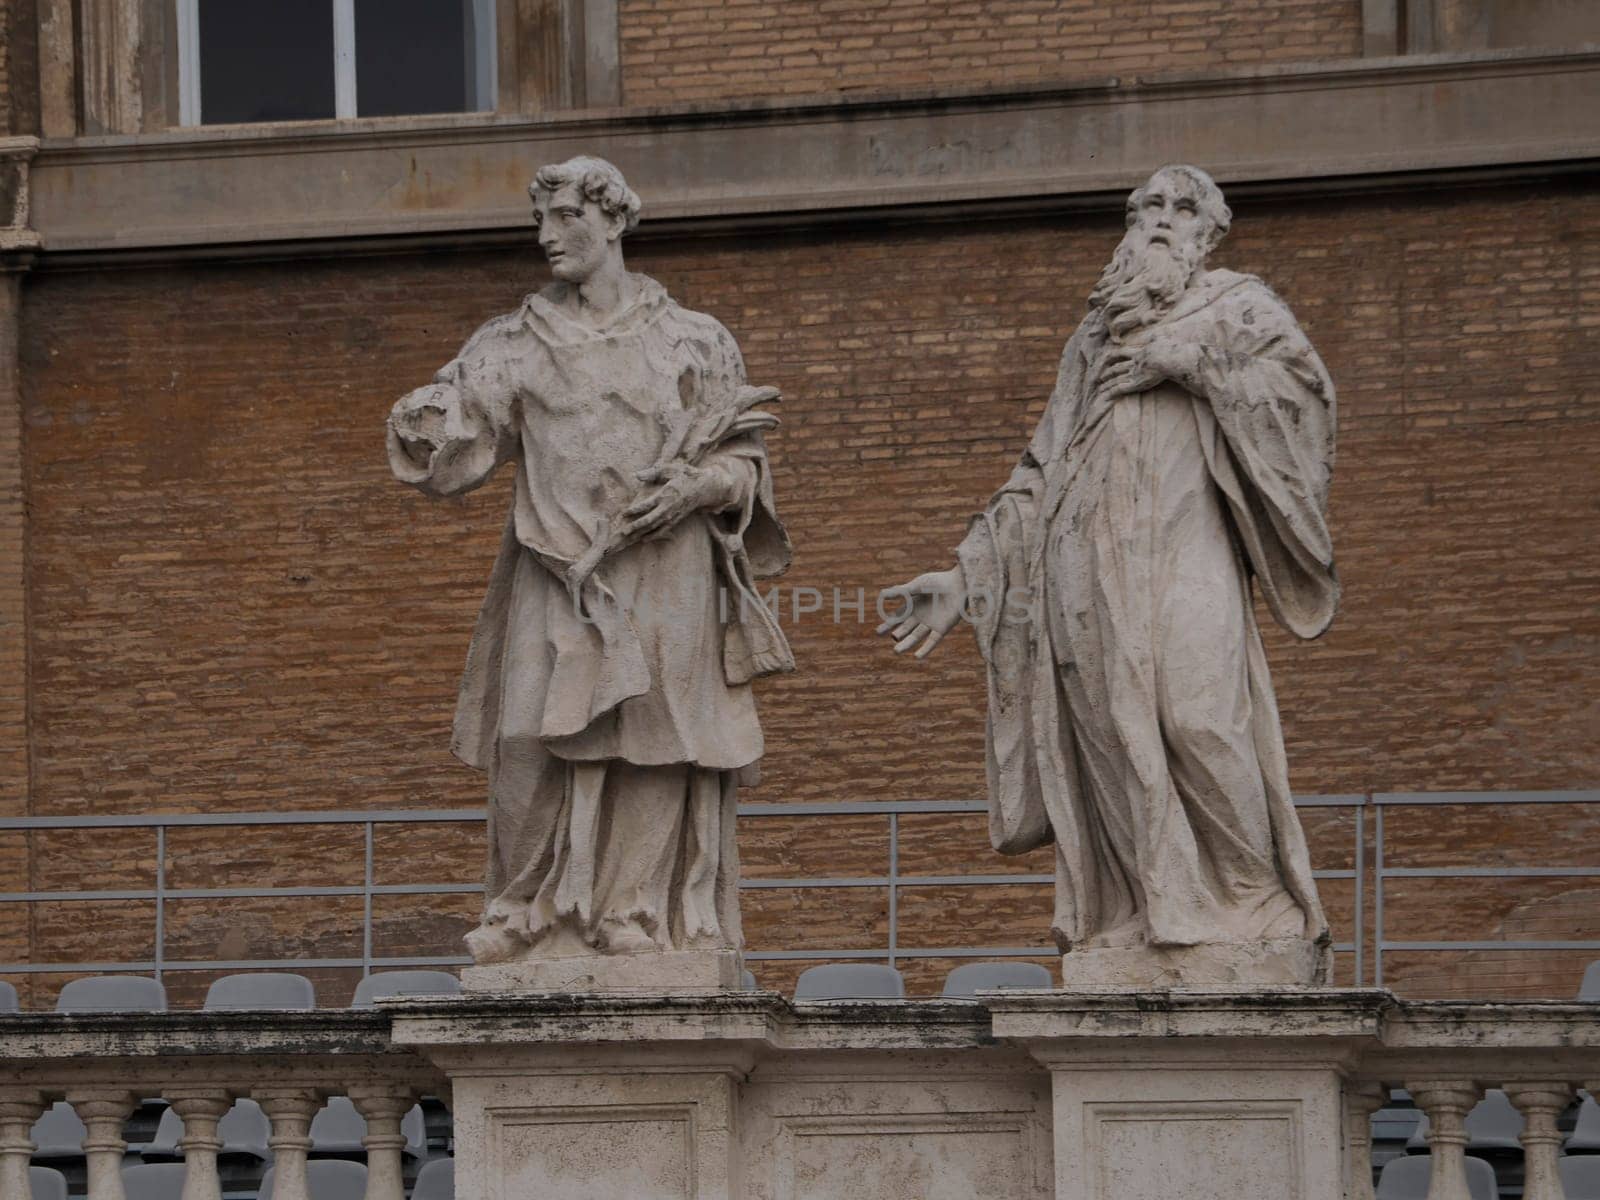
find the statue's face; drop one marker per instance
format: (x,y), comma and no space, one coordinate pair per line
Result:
(1169,214)
(574,232)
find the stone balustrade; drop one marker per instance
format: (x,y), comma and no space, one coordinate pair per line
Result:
(746,1096)
(103,1065)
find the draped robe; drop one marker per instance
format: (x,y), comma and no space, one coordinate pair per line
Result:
(1131,717)
(615,739)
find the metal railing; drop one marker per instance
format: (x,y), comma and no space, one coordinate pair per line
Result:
(1368,872)
(1388,801)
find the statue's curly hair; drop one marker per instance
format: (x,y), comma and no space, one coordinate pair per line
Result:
(599,181)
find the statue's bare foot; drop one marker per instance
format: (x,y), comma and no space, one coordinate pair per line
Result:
(493,944)
(700,928)
(626,937)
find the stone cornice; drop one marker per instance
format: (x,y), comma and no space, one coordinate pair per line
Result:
(1333,126)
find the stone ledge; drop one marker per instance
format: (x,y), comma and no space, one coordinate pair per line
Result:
(1058,146)
(88,1035)
(1416,1030)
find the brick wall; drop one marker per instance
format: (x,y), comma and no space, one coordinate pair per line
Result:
(682,50)
(6,21)
(13,646)
(236,609)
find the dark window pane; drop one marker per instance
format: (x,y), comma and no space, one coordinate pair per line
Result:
(414,56)
(265,62)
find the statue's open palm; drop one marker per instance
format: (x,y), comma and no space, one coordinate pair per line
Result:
(925,609)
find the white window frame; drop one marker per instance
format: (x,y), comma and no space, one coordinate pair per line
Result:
(483,48)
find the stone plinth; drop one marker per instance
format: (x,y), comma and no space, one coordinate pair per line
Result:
(1023,1096)
(734,1097)
(670,972)
(1203,1094)
(1239,965)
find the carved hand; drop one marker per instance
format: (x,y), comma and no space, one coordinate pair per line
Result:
(419,424)
(687,490)
(931,605)
(1128,370)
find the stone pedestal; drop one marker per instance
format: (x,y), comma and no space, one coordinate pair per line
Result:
(1023,1096)
(1207,1095)
(1243,966)
(671,972)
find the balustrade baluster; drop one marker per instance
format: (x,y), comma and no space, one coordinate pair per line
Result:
(384,1106)
(19,1109)
(201,1109)
(1540,1105)
(290,1110)
(1361,1100)
(1447,1103)
(103,1113)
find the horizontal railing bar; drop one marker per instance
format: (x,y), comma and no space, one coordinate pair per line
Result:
(119,968)
(386,816)
(1523,945)
(393,816)
(378,889)
(902,952)
(1486,872)
(810,881)
(33,897)
(856,808)
(92,968)
(424,889)
(1577,796)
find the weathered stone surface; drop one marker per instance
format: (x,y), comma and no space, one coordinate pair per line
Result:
(666,972)
(1214,964)
(607,690)
(1182,463)
(1207,1093)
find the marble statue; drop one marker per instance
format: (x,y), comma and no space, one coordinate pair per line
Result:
(607,690)
(1183,459)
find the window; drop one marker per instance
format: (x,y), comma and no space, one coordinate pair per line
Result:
(305,60)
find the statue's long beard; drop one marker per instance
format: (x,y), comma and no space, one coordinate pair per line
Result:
(1142,282)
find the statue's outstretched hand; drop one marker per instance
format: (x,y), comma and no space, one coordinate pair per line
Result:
(928,608)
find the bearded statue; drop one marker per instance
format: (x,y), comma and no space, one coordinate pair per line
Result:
(1183,461)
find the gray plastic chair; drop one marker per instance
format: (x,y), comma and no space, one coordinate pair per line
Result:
(58,1133)
(850,981)
(1494,1127)
(405,983)
(967,980)
(1395,1124)
(1408,1178)
(47,1184)
(153,1181)
(1589,989)
(1580,1177)
(338,1128)
(8,998)
(437,1181)
(278,991)
(1585,1136)
(113,993)
(244,1130)
(331,1179)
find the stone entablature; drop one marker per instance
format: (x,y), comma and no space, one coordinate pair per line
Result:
(1023,1094)
(1058,146)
